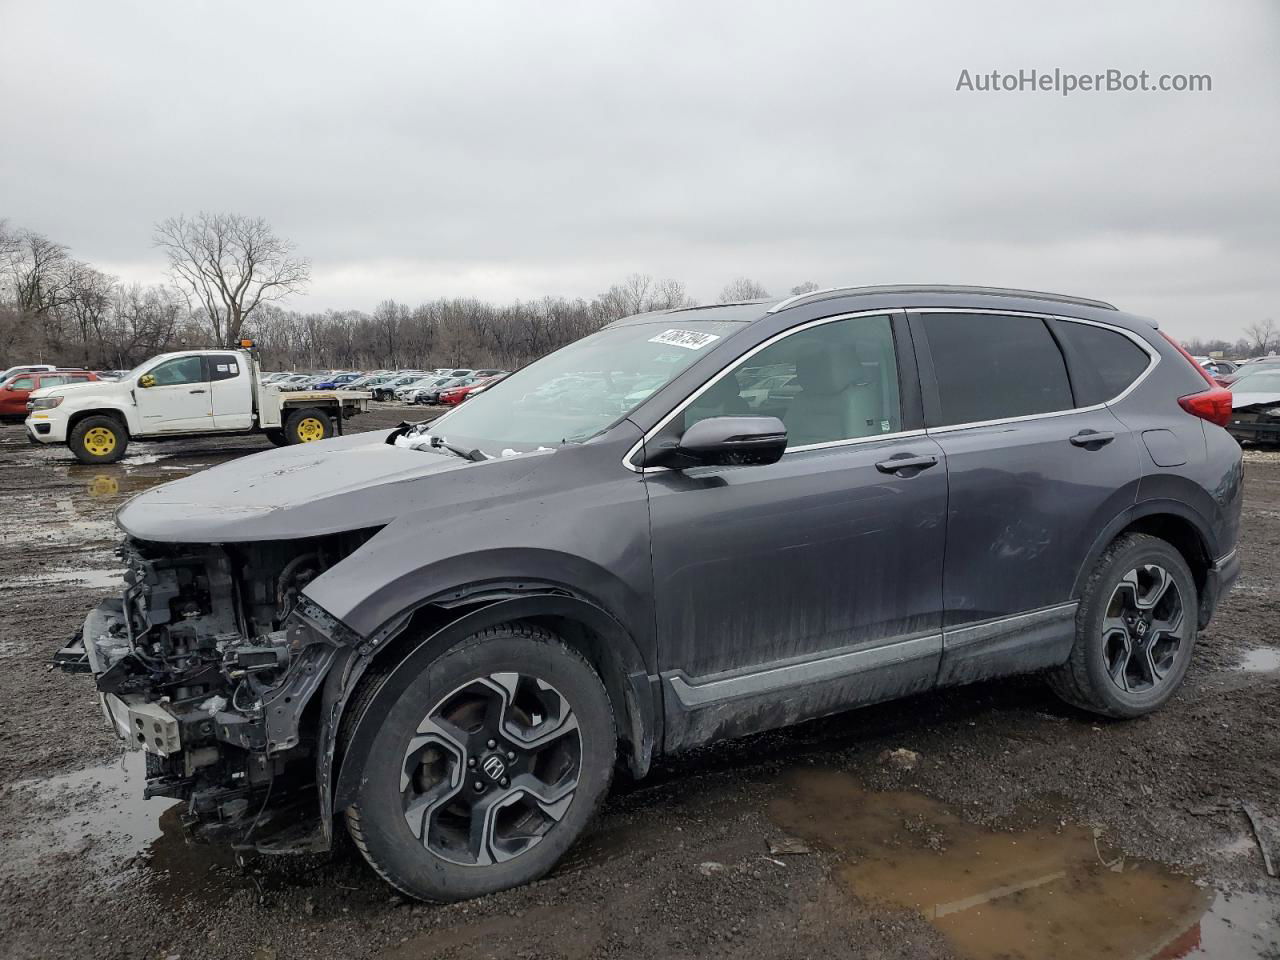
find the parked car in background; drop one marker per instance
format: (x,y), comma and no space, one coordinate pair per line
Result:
(431,394)
(407,392)
(1250,366)
(15,393)
(1217,367)
(1255,405)
(336,381)
(452,396)
(387,389)
(452,633)
(27,368)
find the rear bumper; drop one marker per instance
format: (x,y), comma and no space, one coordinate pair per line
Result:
(1218,583)
(1255,428)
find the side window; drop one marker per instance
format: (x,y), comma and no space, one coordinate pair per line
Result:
(1103,363)
(224,366)
(993,366)
(835,381)
(23,383)
(178,371)
(53,381)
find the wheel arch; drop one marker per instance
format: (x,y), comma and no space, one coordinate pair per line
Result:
(114,412)
(421,634)
(1172,522)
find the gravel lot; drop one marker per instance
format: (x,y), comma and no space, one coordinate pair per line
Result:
(1015,827)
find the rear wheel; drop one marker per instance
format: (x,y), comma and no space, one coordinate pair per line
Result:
(307,426)
(277,437)
(1135,630)
(486,768)
(98,439)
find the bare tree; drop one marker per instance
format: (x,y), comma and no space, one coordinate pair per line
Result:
(88,304)
(743,288)
(232,265)
(802,288)
(1262,335)
(670,295)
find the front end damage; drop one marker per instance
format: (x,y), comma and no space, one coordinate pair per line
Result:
(208,661)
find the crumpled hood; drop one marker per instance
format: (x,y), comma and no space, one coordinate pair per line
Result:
(311,489)
(1241,400)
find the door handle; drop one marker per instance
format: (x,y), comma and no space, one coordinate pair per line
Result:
(906,462)
(1092,438)
(197,391)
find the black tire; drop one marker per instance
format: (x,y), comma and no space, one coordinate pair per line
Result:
(277,437)
(307,425)
(1097,676)
(98,439)
(439,863)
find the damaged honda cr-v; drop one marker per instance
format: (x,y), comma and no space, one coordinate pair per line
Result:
(690,525)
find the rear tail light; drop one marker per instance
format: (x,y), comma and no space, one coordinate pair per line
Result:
(1213,404)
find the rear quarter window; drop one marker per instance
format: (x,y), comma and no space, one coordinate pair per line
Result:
(994,366)
(1104,363)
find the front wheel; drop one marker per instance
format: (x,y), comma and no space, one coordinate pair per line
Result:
(486,768)
(1135,630)
(307,426)
(98,440)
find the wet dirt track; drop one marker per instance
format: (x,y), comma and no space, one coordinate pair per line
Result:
(1024,829)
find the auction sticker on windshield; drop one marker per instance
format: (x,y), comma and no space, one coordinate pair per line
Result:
(689,339)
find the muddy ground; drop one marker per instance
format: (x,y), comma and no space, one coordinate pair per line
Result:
(1021,828)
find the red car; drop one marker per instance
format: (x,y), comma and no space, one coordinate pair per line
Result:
(455,395)
(15,390)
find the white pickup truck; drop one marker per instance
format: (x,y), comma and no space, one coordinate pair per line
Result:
(193,393)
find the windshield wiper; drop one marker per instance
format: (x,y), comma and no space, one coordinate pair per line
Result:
(475,455)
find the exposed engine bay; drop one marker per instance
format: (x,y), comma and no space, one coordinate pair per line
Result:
(208,662)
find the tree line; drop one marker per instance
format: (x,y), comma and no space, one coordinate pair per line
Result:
(226,275)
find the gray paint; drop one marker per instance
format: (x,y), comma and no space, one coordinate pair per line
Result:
(813,575)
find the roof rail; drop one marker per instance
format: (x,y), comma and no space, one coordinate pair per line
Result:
(941,288)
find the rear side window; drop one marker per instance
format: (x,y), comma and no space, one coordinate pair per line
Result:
(992,366)
(223,367)
(1103,363)
(51,381)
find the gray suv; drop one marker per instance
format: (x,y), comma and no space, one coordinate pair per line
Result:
(446,636)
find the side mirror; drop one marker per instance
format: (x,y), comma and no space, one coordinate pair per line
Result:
(725,441)
(146,380)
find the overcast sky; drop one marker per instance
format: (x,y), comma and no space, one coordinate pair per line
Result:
(510,150)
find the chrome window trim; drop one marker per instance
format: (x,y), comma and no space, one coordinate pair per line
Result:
(1152,354)
(781,335)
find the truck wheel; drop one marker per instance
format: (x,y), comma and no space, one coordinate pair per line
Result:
(307,426)
(1135,630)
(98,440)
(486,767)
(277,437)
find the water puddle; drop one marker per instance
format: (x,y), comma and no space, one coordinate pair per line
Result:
(1261,660)
(99,813)
(1047,893)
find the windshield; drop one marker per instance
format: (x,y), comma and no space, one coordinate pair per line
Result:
(1262,381)
(571,395)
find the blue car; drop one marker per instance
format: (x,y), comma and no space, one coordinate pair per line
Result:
(341,380)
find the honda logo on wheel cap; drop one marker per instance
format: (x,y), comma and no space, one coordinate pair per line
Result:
(493,767)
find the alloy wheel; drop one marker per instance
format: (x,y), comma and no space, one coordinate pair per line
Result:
(491,769)
(1142,629)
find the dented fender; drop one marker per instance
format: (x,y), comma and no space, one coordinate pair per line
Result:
(635,694)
